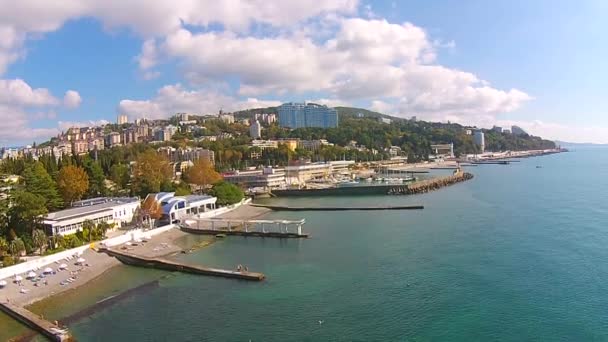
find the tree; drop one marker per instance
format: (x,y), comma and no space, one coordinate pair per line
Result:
(73,182)
(119,174)
(87,229)
(39,182)
(97,179)
(151,210)
(227,193)
(26,212)
(203,174)
(150,171)
(38,239)
(3,246)
(17,247)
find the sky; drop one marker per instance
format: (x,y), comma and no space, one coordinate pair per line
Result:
(537,64)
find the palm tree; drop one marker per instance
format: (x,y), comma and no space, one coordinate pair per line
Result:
(39,239)
(3,246)
(16,247)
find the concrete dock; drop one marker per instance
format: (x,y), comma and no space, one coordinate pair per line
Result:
(280,235)
(286,208)
(164,264)
(35,322)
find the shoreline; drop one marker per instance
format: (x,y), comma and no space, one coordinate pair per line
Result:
(163,245)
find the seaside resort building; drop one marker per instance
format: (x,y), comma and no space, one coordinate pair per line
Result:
(117,211)
(177,208)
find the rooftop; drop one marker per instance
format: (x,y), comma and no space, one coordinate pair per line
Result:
(87,209)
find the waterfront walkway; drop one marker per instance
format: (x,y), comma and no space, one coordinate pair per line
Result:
(164,264)
(37,323)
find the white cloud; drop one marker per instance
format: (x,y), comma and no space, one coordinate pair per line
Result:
(18,92)
(21,105)
(172,99)
(20,19)
(72,99)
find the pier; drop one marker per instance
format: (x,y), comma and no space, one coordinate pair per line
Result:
(164,264)
(432,184)
(286,208)
(44,327)
(258,228)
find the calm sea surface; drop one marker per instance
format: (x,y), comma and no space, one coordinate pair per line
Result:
(518,253)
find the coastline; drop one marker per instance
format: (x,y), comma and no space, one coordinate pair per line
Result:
(163,245)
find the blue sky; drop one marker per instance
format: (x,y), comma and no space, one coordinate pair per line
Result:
(538,64)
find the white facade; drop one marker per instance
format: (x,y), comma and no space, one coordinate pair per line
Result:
(255,130)
(117,211)
(479,139)
(177,208)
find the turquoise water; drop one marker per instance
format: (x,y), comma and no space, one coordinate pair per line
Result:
(518,253)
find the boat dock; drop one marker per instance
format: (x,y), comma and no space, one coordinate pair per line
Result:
(28,318)
(285,208)
(164,264)
(257,228)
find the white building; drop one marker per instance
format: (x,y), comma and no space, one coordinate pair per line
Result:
(263,144)
(117,211)
(177,208)
(227,118)
(122,119)
(267,178)
(479,139)
(255,130)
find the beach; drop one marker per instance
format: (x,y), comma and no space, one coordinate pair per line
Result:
(162,245)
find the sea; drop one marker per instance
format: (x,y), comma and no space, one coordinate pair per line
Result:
(519,253)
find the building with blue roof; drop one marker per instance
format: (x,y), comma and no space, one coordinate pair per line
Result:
(177,208)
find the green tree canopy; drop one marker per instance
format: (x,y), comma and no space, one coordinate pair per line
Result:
(39,182)
(26,212)
(227,193)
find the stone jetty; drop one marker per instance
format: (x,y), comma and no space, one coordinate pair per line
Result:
(431,184)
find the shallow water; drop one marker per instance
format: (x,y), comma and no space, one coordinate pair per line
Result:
(515,254)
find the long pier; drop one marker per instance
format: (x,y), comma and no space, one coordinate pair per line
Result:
(28,318)
(287,208)
(239,227)
(164,264)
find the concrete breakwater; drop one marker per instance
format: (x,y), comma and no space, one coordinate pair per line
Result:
(286,208)
(431,184)
(164,264)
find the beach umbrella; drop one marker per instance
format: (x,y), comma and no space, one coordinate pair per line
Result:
(18,278)
(48,270)
(2,283)
(80,260)
(63,266)
(31,275)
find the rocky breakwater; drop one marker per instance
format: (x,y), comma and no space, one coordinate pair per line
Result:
(431,184)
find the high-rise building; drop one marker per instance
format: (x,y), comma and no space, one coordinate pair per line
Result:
(298,115)
(255,130)
(497,129)
(517,130)
(122,119)
(479,139)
